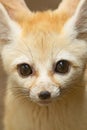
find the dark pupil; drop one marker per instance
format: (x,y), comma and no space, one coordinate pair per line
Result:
(62,66)
(25,69)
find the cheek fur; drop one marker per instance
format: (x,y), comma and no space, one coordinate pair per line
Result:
(71,79)
(26,83)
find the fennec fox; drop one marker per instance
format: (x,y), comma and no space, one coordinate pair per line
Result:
(45,56)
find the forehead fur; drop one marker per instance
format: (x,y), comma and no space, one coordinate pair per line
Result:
(44,21)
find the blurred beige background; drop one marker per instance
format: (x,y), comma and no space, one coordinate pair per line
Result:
(33,5)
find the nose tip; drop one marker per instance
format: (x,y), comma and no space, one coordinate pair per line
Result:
(44,95)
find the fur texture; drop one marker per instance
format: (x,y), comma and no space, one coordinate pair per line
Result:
(41,40)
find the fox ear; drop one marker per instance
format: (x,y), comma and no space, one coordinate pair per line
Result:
(68,7)
(17,9)
(7,26)
(81,21)
(77,25)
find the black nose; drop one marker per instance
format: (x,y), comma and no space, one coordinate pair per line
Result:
(44,95)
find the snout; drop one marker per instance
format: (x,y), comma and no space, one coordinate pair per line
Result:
(44,95)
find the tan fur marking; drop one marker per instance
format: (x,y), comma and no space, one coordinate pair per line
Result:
(44,21)
(50,74)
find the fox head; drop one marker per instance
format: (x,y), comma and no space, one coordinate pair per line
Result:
(44,53)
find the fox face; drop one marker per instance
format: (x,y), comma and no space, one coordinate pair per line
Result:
(44,54)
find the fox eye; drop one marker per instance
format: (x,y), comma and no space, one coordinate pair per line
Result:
(62,67)
(24,70)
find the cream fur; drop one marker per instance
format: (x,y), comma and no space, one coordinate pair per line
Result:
(40,43)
